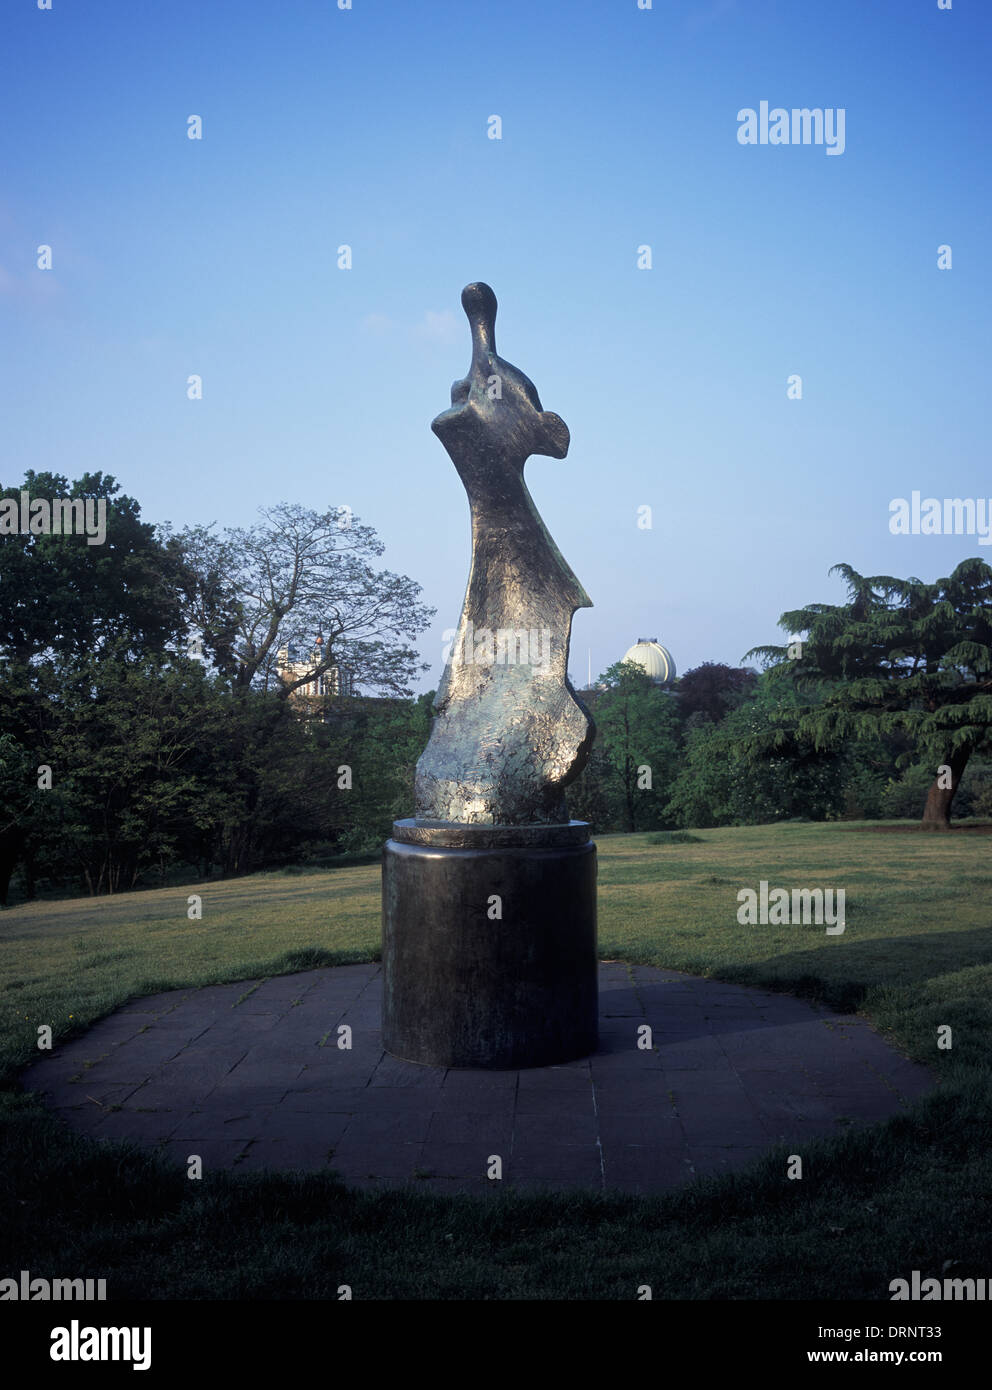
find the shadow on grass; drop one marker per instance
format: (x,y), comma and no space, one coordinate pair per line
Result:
(866,965)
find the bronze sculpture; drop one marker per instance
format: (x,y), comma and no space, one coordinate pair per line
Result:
(489,891)
(509,734)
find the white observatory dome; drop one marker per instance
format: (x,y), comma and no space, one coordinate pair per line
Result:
(656,660)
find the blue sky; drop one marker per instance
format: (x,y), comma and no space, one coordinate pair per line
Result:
(619,128)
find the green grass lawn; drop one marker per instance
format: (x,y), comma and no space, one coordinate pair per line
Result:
(873,1205)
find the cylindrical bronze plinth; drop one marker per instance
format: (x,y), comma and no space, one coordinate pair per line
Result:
(489,944)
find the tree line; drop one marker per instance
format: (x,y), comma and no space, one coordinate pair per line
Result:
(880,707)
(145,724)
(147,733)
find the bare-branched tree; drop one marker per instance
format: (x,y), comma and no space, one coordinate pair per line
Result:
(297,574)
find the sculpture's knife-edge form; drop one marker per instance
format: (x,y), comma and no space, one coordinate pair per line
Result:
(509,732)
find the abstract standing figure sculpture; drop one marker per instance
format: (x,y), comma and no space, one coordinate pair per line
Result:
(509,732)
(489,891)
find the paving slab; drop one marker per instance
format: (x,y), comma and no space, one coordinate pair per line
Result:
(250,1076)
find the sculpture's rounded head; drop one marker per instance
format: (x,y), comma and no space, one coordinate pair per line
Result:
(480,306)
(496,406)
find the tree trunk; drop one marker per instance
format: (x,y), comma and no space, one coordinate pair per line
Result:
(6,870)
(937,812)
(11,845)
(237,854)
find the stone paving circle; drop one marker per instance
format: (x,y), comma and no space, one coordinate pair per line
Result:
(251,1076)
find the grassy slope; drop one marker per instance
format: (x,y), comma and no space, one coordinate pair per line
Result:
(917,952)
